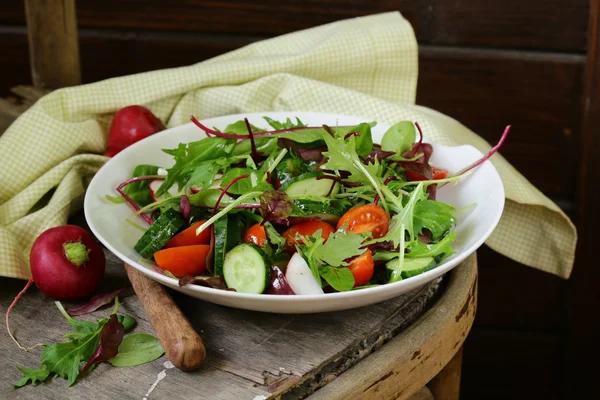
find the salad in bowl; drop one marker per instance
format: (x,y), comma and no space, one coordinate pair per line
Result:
(291,209)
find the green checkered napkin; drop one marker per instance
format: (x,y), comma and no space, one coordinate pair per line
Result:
(364,66)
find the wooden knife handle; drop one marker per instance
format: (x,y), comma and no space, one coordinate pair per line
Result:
(183,346)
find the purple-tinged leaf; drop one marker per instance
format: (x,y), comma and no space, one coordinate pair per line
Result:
(379,154)
(110,339)
(351,134)
(488,155)
(253,153)
(278,282)
(96,302)
(276,205)
(417,171)
(185,207)
(307,154)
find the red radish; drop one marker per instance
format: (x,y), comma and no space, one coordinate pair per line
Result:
(155,184)
(66,263)
(300,277)
(129,125)
(153,187)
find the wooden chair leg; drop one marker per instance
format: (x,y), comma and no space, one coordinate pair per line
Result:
(423,394)
(446,384)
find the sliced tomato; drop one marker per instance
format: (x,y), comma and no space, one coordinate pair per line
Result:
(306,229)
(183,260)
(367,218)
(362,268)
(439,173)
(188,237)
(256,234)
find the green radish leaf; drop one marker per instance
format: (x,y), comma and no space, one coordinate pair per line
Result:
(399,137)
(139,191)
(188,156)
(435,216)
(341,278)
(136,349)
(240,128)
(363,142)
(33,375)
(127,321)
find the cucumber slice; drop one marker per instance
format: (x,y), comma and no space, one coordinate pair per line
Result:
(164,228)
(308,207)
(412,266)
(220,249)
(245,269)
(308,184)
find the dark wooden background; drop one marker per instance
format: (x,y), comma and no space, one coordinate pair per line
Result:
(487,63)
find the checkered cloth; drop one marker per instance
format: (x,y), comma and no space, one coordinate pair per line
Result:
(362,66)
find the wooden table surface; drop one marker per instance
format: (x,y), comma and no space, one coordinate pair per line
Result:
(251,355)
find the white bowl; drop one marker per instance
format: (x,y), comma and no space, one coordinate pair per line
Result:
(108,220)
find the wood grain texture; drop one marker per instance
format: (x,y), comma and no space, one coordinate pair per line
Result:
(249,354)
(533,24)
(183,347)
(412,358)
(485,90)
(446,384)
(584,300)
(53,43)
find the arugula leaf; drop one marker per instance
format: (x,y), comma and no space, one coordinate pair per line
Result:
(240,128)
(399,138)
(139,191)
(403,220)
(63,358)
(189,156)
(136,349)
(33,375)
(275,238)
(284,125)
(339,247)
(254,181)
(442,248)
(340,278)
(435,216)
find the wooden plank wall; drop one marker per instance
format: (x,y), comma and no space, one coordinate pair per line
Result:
(486,63)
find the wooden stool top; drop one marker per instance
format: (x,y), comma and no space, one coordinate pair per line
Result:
(253,355)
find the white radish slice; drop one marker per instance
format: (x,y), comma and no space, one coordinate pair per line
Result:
(215,185)
(300,278)
(156,184)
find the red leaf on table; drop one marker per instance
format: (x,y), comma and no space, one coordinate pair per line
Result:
(110,339)
(96,302)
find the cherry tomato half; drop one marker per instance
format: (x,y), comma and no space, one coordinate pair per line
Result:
(367,218)
(362,268)
(439,173)
(306,229)
(256,234)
